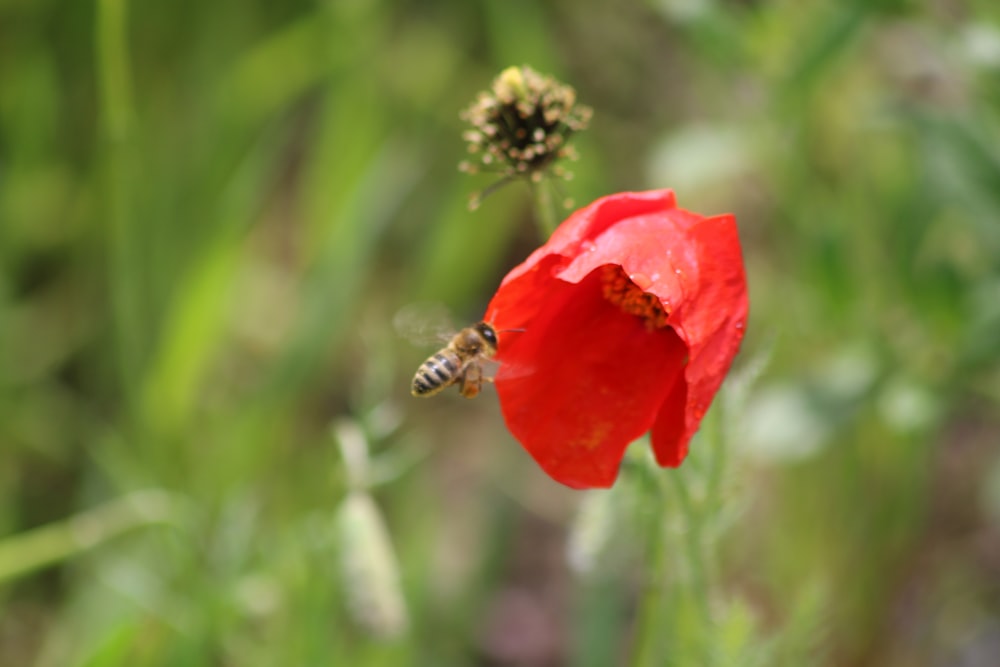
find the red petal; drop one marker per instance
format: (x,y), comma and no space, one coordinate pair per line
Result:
(583,381)
(574,236)
(671,433)
(693,264)
(711,320)
(589,222)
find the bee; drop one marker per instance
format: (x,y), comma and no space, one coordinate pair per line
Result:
(461,362)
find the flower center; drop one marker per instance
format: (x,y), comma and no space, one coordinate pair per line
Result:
(621,291)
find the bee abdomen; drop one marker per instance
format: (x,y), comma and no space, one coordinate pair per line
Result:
(435,374)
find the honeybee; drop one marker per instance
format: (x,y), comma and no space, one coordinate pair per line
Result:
(460,362)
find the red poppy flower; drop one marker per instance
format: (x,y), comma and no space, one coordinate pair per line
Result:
(631,316)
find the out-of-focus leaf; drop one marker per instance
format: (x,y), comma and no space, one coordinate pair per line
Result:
(113,648)
(908,407)
(834,30)
(370,568)
(781,424)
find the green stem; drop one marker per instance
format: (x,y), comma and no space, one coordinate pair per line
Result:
(694,544)
(113,68)
(650,623)
(116,113)
(715,435)
(55,542)
(545,208)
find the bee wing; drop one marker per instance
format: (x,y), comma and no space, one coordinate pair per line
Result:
(492,367)
(424,323)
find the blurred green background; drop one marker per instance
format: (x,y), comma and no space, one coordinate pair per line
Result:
(210,213)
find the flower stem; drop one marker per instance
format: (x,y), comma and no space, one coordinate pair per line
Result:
(693,597)
(649,625)
(651,621)
(716,436)
(545,208)
(116,114)
(698,514)
(694,545)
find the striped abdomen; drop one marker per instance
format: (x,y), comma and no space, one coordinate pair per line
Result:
(438,372)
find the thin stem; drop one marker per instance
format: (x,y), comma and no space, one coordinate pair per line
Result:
(545,208)
(113,68)
(650,622)
(694,543)
(116,113)
(696,555)
(715,434)
(651,612)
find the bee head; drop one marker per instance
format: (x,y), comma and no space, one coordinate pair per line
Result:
(488,333)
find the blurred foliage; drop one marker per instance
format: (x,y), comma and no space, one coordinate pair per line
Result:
(210,212)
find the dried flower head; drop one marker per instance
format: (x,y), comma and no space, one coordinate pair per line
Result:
(521,126)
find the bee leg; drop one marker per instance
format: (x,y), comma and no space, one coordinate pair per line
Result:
(472,381)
